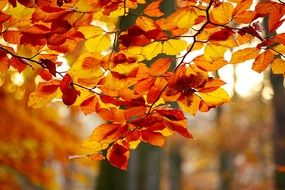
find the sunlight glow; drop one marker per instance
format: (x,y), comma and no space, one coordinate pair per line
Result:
(226,73)
(18,78)
(247,80)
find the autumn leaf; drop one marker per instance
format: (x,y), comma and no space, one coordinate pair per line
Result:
(262,61)
(160,66)
(278,66)
(69,93)
(222,13)
(18,64)
(118,156)
(280,38)
(153,9)
(173,47)
(98,43)
(244,55)
(153,138)
(44,93)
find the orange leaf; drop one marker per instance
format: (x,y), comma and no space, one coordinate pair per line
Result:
(154,138)
(107,133)
(144,85)
(89,105)
(280,38)
(205,65)
(241,7)
(160,66)
(244,55)
(278,66)
(274,10)
(153,9)
(262,61)
(146,24)
(12,36)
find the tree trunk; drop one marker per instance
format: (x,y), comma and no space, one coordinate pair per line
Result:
(279,130)
(277,82)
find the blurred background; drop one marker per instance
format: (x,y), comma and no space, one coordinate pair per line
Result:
(239,146)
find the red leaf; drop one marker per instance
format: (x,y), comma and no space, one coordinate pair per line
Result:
(60,26)
(18,64)
(221,35)
(66,83)
(70,97)
(27,3)
(47,63)
(180,127)
(280,38)
(4,17)
(45,74)
(69,92)
(36,29)
(4,61)
(118,156)
(171,114)
(13,2)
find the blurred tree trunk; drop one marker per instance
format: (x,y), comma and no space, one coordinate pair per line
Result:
(144,165)
(277,82)
(175,162)
(279,129)
(226,155)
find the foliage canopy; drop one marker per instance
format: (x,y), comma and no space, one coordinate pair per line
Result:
(131,77)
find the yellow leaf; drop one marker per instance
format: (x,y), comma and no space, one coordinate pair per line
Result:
(21,15)
(125,69)
(187,18)
(44,93)
(213,52)
(166,132)
(244,55)
(190,104)
(90,31)
(90,147)
(152,50)
(280,49)
(278,66)
(173,47)
(87,69)
(222,13)
(98,43)
(215,98)
(134,144)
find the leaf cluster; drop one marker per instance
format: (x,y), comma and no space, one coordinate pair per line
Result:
(129,77)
